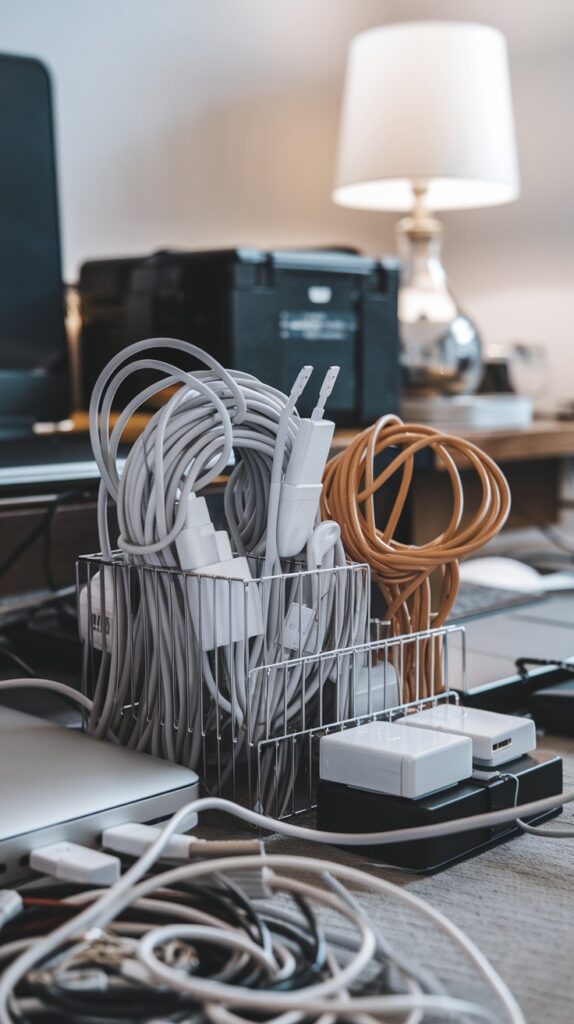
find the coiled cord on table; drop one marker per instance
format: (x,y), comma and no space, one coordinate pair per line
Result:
(405,572)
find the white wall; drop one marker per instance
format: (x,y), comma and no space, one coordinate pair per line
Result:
(213,122)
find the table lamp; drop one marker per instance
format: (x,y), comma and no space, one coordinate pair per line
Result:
(427,125)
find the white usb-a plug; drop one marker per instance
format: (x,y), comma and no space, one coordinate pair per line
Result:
(70,862)
(301,487)
(132,839)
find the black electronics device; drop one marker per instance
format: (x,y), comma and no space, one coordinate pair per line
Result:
(34,375)
(346,809)
(552,708)
(267,313)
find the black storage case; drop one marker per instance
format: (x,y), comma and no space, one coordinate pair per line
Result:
(268,313)
(346,809)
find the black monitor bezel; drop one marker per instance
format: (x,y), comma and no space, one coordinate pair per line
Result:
(29,396)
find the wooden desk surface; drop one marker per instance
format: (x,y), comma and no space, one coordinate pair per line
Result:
(543,439)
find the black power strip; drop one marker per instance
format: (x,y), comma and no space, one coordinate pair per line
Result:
(342,808)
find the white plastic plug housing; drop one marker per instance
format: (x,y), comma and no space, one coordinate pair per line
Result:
(73,863)
(96,608)
(224,601)
(299,630)
(132,839)
(298,507)
(385,757)
(310,452)
(301,487)
(196,544)
(11,905)
(496,739)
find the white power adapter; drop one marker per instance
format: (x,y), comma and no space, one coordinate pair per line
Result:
(386,757)
(224,600)
(496,739)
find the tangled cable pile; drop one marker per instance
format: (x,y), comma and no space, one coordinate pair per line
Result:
(214,940)
(405,572)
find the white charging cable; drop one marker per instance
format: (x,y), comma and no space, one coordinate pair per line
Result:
(207,631)
(132,886)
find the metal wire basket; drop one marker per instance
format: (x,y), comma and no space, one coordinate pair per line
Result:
(168,654)
(239,679)
(275,762)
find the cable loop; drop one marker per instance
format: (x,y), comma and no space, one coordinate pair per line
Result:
(419,583)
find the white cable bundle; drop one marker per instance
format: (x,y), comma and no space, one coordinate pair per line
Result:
(213,615)
(347,989)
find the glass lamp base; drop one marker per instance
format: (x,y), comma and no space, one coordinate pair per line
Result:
(441,351)
(441,357)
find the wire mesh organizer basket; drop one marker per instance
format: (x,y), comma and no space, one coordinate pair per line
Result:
(168,654)
(238,679)
(370,682)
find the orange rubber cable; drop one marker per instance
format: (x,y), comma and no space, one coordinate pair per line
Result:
(404,571)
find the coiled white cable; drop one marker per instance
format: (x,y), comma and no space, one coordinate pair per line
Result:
(147,655)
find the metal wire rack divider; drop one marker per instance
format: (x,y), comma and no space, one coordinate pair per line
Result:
(383,679)
(239,679)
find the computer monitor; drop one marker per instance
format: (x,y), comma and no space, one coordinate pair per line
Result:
(34,372)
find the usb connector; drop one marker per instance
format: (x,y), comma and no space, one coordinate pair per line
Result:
(70,862)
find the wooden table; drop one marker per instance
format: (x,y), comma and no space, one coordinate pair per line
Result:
(532,460)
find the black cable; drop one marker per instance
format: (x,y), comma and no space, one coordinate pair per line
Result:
(524,674)
(12,656)
(42,528)
(48,539)
(23,546)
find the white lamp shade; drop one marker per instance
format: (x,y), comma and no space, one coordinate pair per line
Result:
(428,103)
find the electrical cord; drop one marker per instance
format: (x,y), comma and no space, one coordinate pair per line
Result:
(522,666)
(133,886)
(536,830)
(62,689)
(160,654)
(404,571)
(7,652)
(326,995)
(303,949)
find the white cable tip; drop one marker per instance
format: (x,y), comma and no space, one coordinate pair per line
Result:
(11,904)
(301,381)
(132,839)
(71,862)
(327,386)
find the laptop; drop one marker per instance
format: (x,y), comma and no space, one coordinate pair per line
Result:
(60,783)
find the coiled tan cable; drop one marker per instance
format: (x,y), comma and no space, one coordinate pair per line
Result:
(404,571)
